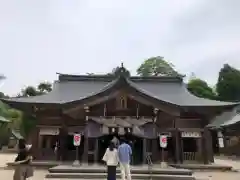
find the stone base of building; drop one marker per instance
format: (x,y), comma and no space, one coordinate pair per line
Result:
(138,172)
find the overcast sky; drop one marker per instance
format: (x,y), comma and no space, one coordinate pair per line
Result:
(41,37)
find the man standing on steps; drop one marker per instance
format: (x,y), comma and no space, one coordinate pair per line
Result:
(124,153)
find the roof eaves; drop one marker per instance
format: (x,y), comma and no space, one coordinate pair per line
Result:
(221,119)
(234,120)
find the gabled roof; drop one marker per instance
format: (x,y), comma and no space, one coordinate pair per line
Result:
(71,88)
(233,121)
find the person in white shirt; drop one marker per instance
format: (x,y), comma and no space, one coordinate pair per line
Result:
(111,159)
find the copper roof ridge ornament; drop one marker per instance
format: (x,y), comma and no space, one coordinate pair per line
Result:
(122,65)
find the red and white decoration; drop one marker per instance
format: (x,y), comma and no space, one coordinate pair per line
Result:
(77,139)
(163,141)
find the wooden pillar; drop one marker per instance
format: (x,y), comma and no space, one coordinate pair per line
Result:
(48,146)
(34,142)
(40,139)
(96,151)
(85,153)
(62,137)
(204,148)
(155,152)
(144,150)
(178,146)
(209,148)
(199,148)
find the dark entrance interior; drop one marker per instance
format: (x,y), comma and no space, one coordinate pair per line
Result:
(137,149)
(215,143)
(189,145)
(135,142)
(170,149)
(189,148)
(103,143)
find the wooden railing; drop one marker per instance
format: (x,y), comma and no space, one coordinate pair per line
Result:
(189,156)
(124,117)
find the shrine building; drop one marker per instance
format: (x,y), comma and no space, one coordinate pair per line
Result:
(101,107)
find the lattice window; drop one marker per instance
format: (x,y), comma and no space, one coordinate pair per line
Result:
(122,102)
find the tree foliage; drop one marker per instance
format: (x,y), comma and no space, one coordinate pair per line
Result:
(15,118)
(201,89)
(28,121)
(11,114)
(42,88)
(156,66)
(19,120)
(2,95)
(228,85)
(29,91)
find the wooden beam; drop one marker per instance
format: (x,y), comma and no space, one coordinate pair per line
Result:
(93,101)
(190,119)
(164,108)
(175,111)
(48,126)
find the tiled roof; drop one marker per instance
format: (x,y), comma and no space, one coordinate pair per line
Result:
(225,119)
(70,88)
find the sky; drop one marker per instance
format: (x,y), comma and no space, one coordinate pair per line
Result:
(41,37)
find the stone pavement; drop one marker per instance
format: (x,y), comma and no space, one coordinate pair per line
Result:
(40,174)
(221,175)
(223,161)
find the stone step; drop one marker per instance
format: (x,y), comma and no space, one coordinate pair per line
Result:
(116,179)
(104,176)
(134,170)
(203,167)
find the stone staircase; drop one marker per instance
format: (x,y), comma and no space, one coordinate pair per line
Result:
(99,172)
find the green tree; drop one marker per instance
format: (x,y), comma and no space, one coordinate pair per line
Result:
(156,66)
(200,89)
(2,95)
(44,87)
(228,85)
(28,122)
(15,118)
(29,91)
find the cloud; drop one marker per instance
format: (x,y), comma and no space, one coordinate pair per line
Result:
(39,38)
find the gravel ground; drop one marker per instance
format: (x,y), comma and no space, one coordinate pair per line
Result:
(40,174)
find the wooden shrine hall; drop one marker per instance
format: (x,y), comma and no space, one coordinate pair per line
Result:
(101,107)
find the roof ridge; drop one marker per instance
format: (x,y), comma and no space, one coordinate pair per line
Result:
(73,77)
